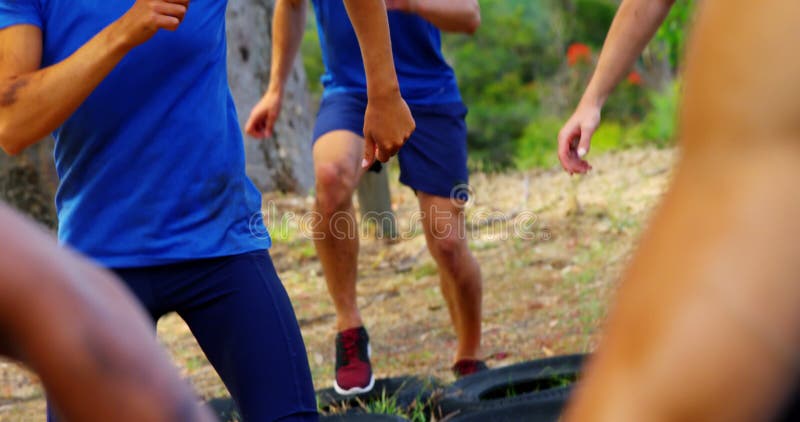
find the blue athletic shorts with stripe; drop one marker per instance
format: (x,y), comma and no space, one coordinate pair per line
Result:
(434,160)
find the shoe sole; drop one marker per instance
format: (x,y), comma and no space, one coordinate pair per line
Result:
(357,390)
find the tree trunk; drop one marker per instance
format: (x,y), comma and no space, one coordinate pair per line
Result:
(375,203)
(28,183)
(283,163)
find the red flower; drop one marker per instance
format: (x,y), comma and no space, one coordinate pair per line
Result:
(578,52)
(634,78)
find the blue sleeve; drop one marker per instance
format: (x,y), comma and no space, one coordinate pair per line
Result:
(18,12)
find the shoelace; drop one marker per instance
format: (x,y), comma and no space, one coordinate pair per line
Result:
(350,344)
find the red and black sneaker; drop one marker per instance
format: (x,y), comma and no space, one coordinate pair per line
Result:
(466,367)
(353,370)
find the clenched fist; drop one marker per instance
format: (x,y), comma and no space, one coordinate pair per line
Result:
(146,17)
(387,126)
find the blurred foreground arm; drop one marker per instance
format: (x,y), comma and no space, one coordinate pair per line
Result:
(447,15)
(388,122)
(82,332)
(634,25)
(707,322)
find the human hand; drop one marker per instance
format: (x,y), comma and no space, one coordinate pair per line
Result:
(261,122)
(387,126)
(146,17)
(575,139)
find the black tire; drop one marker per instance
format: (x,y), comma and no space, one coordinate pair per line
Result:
(546,411)
(362,417)
(407,391)
(538,381)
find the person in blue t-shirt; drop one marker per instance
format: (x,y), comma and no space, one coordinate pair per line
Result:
(433,162)
(151,162)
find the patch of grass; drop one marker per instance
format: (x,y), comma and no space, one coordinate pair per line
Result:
(385,405)
(427,269)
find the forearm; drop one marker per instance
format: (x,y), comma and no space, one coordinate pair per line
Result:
(711,296)
(449,15)
(34,104)
(287,34)
(372,29)
(54,300)
(632,29)
(709,299)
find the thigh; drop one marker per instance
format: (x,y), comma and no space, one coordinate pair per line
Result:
(339,138)
(434,160)
(250,335)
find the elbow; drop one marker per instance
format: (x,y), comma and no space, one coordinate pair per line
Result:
(8,144)
(475,19)
(12,149)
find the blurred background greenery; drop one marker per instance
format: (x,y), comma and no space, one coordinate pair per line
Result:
(524,71)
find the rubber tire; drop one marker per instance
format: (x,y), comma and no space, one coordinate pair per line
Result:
(362,417)
(543,411)
(406,389)
(465,395)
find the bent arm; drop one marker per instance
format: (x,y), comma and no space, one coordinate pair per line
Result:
(287,34)
(372,29)
(33,101)
(108,364)
(633,27)
(447,15)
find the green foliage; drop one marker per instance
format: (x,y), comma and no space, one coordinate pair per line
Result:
(660,124)
(591,21)
(538,145)
(674,32)
(497,69)
(312,57)
(515,79)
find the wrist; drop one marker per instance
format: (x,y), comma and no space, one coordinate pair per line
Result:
(118,37)
(275,89)
(383,91)
(592,101)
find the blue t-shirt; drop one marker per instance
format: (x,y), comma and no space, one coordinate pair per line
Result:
(152,164)
(423,74)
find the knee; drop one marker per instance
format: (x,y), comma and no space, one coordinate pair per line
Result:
(335,185)
(449,249)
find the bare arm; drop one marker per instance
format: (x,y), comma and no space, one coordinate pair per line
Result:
(288,23)
(34,102)
(447,15)
(712,296)
(633,27)
(108,364)
(387,122)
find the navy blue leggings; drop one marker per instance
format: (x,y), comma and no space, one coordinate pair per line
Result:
(243,320)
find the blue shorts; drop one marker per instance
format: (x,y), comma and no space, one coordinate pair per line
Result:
(243,320)
(434,160)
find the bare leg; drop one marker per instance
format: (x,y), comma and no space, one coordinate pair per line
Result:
(443,221)
(337,164)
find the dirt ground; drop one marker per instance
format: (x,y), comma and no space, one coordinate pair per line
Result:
(551,248)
